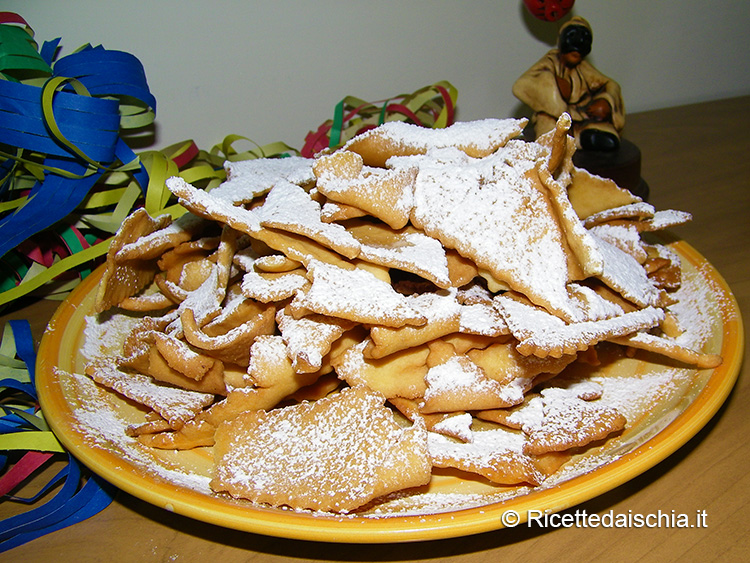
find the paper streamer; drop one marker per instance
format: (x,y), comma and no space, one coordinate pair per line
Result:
(66,171)
(27,445)
(432,106)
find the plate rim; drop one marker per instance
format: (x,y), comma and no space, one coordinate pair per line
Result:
(290,524)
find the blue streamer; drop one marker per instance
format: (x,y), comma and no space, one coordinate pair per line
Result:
(107,72)
(126,154)
(25,347)
(82,494)
(49,50)
(17,524)
(27,388)
(54,199)
(50,484)
(71,504)
(6,428)
(90,123)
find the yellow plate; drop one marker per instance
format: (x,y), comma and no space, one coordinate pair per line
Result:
(668,405)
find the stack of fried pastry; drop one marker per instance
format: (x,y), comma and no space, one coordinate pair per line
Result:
(336,328)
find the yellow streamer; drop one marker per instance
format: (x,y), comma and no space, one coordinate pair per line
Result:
(39,441)
(53,271)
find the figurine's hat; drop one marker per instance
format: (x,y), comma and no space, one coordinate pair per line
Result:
(575,35)
(579,21)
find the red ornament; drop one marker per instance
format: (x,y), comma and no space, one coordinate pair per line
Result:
(549,10)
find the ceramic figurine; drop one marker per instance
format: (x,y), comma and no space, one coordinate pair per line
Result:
(564,81)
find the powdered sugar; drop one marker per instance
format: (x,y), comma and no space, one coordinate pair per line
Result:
(416,253)
(154,244)
(634,210)
(248,179)
(216,205)
(457,376)
(626,237)
(308,339)
(175,405)
(486,443)
(104,336)
(104,428)
(355,441)
(459,379)
(482,319)
(268,289)
(289,207)
(355,295)
(477,136)
(488,210)
(696,310)
(668,218)
(623,274)
(205,302)
(458,426)
(540,331)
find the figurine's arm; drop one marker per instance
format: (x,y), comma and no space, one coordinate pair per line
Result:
(537,87)
(607,103)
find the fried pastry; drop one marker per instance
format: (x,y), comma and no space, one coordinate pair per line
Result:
(332,455)
(415,302)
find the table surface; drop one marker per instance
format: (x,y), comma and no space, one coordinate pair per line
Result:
(695,158)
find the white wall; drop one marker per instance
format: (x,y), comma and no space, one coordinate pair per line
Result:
(273,70)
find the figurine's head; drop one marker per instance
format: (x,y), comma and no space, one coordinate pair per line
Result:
(575,37)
